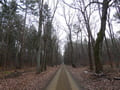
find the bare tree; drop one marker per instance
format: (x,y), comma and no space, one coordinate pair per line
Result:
(100,37)
(69,23)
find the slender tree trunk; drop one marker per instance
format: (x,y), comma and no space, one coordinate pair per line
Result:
(91,40)
(39,34)
(89,54)
(71,45)
(6,59)
(108,52)
(16,60)
(19,60)
(45,67)
(38,61)
(23,38)
(44,56)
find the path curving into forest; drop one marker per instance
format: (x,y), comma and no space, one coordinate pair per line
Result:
(63,81)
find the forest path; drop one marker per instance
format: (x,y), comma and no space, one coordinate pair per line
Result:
(62,81)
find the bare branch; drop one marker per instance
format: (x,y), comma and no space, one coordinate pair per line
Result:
(95,2)
(55,9)
(70,5)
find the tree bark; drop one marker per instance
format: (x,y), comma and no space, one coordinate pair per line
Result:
(90,55)
(100,37)
(39,34)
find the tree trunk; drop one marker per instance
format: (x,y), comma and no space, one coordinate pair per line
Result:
(71,45)
(108,52)
(39,34)
(23,37)
(38,61)
(100,37)
(90,55)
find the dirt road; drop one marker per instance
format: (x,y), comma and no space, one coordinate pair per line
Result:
(62,81)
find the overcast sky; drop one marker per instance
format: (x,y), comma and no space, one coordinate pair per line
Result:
(60,25)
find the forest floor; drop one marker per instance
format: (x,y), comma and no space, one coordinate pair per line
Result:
(90,81)
(26,79)
(60,78)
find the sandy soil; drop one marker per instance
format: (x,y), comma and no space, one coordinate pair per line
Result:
(63,81)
